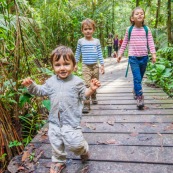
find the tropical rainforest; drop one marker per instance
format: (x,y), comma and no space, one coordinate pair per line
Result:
(31,29)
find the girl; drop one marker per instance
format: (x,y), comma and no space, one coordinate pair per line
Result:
(66,93)
(138,51)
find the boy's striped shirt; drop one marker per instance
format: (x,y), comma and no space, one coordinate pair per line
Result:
(90,50)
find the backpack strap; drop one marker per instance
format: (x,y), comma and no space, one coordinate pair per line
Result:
(146,31)
(129,32)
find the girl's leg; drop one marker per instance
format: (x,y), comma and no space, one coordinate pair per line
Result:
(57,144)
(137,79)
(143,65)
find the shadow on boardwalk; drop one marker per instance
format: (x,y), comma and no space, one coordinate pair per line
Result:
(122,139)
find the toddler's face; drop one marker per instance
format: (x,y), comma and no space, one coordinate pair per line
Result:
(87,31)
(63,68)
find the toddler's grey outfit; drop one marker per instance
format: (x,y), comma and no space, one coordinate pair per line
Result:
(66,98)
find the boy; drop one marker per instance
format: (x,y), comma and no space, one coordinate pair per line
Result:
(66,93)
(90,49)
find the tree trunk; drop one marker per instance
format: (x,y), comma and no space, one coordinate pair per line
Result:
(113,16)
(137,3)
(169,22)
(157,13)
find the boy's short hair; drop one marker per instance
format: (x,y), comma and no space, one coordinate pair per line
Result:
(88,22)
(63,51)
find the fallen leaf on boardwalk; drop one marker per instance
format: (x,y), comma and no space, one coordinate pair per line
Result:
(90,126)
(101,142)
(146,107)
(160,98)
(110,122)
(111,141)
(133,134)
(43,138)
(148,124)
(38,155)
(159,134)
(144,138)
(25,155)
(170,127)
(20,168)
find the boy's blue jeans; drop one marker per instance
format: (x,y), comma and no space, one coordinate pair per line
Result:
(138,67)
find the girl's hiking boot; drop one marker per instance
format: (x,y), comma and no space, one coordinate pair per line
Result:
(140,101)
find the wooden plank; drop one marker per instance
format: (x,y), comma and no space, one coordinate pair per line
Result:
(128,127)
(132,106)
(154,95)
(74,166)
(131,112)
(115,90)
(142,154)
(128,118)
(107,112)
(137,139)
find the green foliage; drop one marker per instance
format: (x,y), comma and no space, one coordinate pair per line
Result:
(2,157)
(31,156)
(46,103)
(14,144)
(25,98)
(161,73)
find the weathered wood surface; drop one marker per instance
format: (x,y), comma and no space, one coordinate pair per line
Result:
(122,139)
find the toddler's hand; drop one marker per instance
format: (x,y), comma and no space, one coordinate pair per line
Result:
(94,84)
(27,82)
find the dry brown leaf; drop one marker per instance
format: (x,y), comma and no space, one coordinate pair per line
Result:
(110,122)
(25,155)
(111,141)
(133,134)
(90,126)
(20,168)
(170,127)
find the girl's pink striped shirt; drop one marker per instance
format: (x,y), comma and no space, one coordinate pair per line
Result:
(138,42)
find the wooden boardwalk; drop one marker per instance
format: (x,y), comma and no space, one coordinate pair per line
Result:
(122,139)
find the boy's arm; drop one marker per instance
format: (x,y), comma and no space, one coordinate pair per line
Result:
(77,55)
(94,84)
(100,56)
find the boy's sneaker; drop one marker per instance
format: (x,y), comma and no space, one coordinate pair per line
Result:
(85,109)
(84,157)
(94,101)
(140,101)
(134,95)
